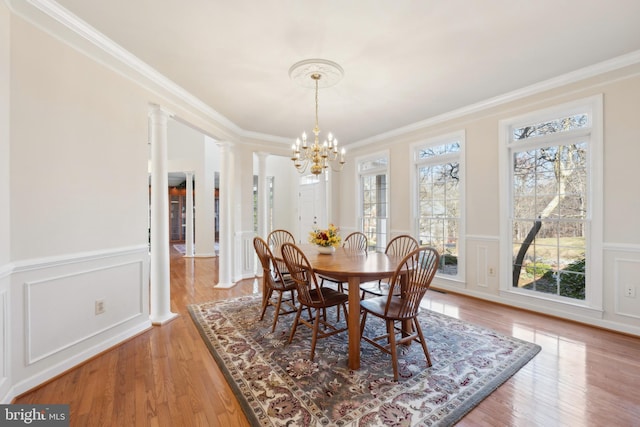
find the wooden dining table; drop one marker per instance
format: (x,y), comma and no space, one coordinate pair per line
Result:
(352,267)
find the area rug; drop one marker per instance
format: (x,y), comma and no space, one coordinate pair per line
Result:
(277,385)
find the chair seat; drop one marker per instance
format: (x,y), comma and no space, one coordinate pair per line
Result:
(287,284)
(375,288)
(331,298)
(377,305)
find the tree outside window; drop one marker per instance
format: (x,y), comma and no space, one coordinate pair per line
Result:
(550,205)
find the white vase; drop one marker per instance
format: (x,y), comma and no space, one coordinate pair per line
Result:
(327,250)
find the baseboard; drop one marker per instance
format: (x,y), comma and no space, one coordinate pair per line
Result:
(55,371)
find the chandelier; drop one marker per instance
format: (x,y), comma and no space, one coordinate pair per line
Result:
(316,157)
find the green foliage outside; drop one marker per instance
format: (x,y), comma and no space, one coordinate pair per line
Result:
(537,269)
(572,279)
(450,259)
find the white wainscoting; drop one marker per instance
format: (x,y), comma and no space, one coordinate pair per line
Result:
(626,273)
(5,373)
(53,315)
(621,270)
(245,255)
(482,265)
(55,321)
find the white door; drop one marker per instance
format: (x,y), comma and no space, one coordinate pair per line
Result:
(307,209)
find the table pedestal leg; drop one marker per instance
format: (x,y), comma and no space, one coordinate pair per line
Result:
(354,323)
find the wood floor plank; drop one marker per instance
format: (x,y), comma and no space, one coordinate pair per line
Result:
(166,376)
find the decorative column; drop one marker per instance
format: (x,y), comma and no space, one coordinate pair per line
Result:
(188,239)
(160,291)
(263,196)
(226,258)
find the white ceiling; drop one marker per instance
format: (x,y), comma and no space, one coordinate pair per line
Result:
(404,61)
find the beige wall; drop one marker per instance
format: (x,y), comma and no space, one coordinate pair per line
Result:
(5,25)
(621,243)
(621,162)
(78,200)
(5,229)
(73,171)
(285,201)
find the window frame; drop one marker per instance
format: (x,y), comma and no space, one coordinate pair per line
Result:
(372,172)
(593,106)
(456,136)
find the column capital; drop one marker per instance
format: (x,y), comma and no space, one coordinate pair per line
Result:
(225,145)
(157,112)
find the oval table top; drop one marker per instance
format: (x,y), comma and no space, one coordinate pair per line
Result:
(345,262)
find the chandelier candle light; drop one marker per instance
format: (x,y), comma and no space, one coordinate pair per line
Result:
(315,73)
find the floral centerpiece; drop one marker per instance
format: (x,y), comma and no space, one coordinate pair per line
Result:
(329,238)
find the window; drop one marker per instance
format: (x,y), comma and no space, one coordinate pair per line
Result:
(374,200)
(553,170)
(439,198)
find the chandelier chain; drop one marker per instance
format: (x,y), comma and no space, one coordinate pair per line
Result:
(316,79)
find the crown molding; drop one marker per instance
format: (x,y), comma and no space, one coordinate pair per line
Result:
(57,21)
(562,80)
(83,37)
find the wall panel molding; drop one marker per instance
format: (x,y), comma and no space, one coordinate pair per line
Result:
(48,262)
(5,373)
(52,309)
(72,322)
(626,274)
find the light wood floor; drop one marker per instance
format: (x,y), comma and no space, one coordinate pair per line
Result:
(167,377)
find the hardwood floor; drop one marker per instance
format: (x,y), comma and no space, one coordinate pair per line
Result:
(166,376)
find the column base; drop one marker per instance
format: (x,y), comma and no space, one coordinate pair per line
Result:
(161,320)
(224,285)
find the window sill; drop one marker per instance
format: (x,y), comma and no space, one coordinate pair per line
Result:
(540,303)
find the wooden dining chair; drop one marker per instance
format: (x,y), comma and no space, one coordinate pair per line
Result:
(356,241)
(400,312)
(274,282)
(276,239)
(399,246)
(313,297)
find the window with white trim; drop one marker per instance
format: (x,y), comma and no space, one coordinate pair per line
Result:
(554,162)
(439,195)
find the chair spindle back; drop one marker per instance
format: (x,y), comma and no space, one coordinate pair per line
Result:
(302,274)
(416,270)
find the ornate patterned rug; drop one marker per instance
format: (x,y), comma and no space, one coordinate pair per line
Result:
(277,385)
